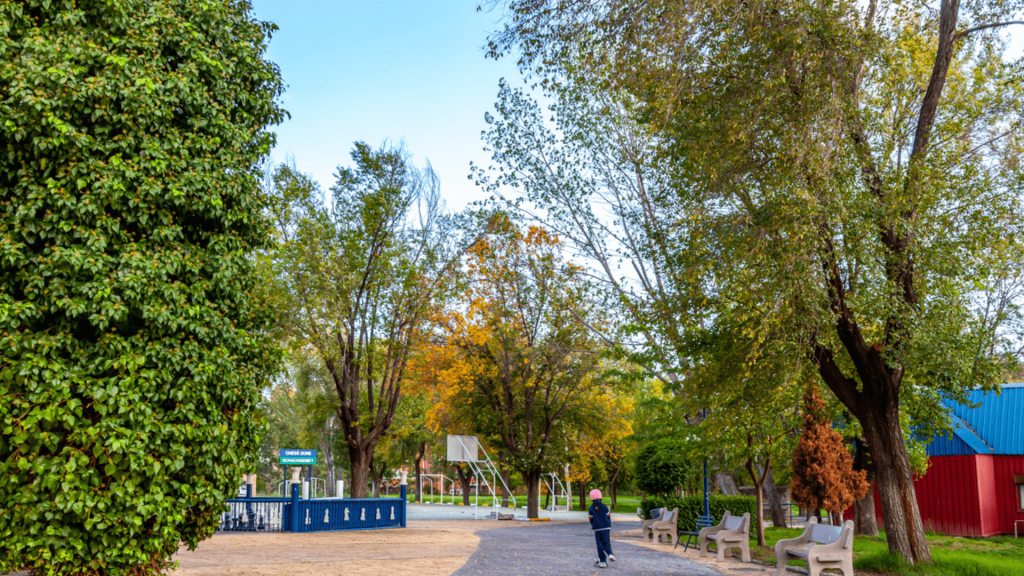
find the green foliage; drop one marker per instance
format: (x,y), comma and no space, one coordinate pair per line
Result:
(132,352)
(352,278)
(690,507)
(666,465)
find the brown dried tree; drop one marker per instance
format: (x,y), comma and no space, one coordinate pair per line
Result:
(823,474)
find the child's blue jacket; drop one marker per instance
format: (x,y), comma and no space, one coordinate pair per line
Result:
(600,516)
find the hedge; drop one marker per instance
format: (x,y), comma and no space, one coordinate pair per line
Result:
(690,507)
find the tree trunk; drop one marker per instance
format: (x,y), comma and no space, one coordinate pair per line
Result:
(876,407)
(612,485)
(419,470)
(532,480)
(865,523)
(759,498)
(727,484)
(547,497)
(464,477)
(377,478)
(418,496)
(903,527)
(772,492)
(864,511)
(360,471)
(583,495)
(504,492)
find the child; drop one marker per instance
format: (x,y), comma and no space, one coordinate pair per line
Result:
(601,524)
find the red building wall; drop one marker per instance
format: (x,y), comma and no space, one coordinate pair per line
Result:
(967,495)
(1007,504)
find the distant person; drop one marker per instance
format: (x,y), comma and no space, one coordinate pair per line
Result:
(601,524)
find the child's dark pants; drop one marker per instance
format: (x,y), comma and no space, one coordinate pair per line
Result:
(604,544)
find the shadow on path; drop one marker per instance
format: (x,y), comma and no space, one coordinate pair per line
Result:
(568,549)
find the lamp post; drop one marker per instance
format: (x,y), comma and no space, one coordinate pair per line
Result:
(707,500)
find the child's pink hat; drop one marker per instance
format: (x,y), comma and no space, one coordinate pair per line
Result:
(595,494)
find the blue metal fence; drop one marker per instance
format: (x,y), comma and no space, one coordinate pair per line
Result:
(319,515)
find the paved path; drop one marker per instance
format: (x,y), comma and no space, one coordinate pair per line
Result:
(568,549)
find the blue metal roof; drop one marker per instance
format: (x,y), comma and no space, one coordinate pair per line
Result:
(996,426)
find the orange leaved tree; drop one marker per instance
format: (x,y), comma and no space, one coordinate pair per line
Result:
(526,367)
(823,474)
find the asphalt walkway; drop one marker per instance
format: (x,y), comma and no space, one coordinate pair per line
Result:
(568,549)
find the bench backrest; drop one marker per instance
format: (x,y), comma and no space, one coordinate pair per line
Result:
(822,534)
(733,522)
(658,513)
(705,521)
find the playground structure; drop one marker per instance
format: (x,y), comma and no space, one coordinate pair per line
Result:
(442,478)
(468,449)
(557,490)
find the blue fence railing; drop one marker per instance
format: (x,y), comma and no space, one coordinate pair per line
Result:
(319,515)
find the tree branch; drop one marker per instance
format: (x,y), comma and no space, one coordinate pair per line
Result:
(961,35)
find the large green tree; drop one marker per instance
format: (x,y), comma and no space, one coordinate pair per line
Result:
(133,351)
(848,172)
(353,276)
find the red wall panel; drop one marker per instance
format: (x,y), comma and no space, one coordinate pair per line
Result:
(1007,504)
(966,495)
(948,497)
(987,496)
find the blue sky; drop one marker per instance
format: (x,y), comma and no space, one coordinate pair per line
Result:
(385,69)
(409,70)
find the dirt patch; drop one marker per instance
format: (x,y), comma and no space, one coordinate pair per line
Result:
(427,548)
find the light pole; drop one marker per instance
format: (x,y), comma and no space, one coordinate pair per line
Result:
(707,500)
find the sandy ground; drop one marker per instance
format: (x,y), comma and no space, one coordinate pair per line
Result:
(728,567)
(423,548)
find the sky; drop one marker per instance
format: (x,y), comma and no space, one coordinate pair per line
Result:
(376,70)
(398,70)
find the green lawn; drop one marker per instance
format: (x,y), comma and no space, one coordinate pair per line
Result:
(1000,556)
(626,504)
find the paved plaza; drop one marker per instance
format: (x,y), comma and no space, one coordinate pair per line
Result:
(568,549)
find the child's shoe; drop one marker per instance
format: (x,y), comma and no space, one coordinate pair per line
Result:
(611,558)
(602,565)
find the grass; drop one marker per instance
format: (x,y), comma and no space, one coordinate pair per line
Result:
(952,556)
(625,504)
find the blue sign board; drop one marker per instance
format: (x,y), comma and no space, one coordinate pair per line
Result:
(298,457)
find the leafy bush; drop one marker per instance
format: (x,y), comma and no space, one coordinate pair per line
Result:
(664,466)
(132,353)
(690,507)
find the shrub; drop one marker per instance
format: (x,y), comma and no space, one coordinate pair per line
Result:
(132,353)
(690,507)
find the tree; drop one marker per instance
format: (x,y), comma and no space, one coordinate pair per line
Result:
(851,170)
(665,466)
(527,365)
(354,277)
(133,348)
(823,474)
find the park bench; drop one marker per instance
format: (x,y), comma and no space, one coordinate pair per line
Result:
(667,526)
(656,514)
(702,522)
(821,546)
(731,532)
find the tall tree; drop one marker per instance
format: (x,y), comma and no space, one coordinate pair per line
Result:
(530,365)
(849,169)
(133,351)
(353,277)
